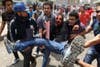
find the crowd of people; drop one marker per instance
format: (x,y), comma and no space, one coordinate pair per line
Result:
(49,28)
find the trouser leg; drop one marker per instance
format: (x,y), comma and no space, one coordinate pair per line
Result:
(15,55)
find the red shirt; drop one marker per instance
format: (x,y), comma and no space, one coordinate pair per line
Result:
(90,11)
(84,18)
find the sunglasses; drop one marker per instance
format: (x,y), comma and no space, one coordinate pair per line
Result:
(97,11)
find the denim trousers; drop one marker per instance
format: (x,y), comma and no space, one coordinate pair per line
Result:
(91,55)
(50,46)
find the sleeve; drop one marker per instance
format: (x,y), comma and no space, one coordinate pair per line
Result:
(34,25)
(65,31)
(4,17)
(40,22)
(13,32)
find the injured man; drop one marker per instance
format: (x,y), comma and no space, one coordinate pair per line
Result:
(69,52)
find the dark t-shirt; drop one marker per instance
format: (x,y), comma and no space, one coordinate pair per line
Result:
(7,17)
(61,32)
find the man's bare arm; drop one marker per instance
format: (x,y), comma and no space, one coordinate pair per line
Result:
(2,26)
(83,64)
(94,41)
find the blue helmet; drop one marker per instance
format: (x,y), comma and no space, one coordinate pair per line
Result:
(20,6)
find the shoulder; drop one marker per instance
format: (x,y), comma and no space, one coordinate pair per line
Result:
(94,21)
(41,18)
(4,14)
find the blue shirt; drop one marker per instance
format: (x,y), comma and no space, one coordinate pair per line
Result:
(30,13)
(96,29)
(96,26)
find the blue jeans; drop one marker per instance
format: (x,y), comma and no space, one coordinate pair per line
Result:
(49,46)
(91,55)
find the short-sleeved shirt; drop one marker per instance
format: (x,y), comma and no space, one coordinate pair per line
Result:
(96,28)
(84,18)
(41,23)
(7,17)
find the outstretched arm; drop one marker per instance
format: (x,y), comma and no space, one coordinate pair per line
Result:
(83,64)
(2,26)
(94,41)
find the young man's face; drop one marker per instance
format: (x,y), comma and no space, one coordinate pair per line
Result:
(98,12)
(8,5)
(30,8)
(72,20)
(47,9)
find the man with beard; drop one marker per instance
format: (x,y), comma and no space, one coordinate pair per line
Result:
(61,30)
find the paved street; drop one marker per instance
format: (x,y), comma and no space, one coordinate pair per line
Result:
(6,59)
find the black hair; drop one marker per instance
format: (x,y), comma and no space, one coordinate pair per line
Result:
(76,15)
(4,2)
(48,3)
